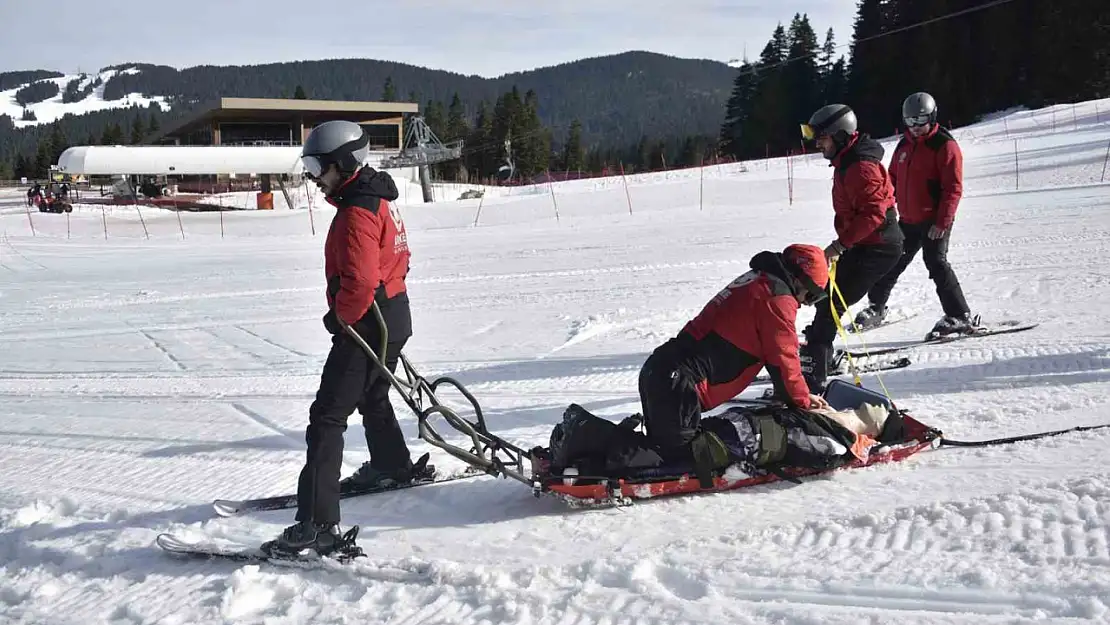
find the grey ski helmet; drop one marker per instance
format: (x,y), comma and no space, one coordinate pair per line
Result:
(340,142)
(835,120)
(919,109)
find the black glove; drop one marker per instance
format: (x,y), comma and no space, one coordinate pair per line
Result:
(834,250)
(331,323)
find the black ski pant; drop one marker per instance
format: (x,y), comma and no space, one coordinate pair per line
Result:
(350,381)
(935,253)
(668,396)
(857,270)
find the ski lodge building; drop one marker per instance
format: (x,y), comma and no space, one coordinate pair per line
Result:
(237,144)
(283,122)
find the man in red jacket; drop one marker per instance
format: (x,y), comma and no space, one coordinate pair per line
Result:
(868,241)
(748,326)
(366,260)
(927,172)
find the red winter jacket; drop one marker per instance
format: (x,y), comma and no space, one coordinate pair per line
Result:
(747,326)
(927,172)
(367,247)
(862,194)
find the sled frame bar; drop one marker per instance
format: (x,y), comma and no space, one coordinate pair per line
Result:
(489,453)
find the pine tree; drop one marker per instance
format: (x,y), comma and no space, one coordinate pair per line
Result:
(657,157)
(827,56)
(23,167)
(573,157)
(836,82)
(7,172)
(299,94)
(457,126)
(534,140)
(868,89)
(112,135)
(765,128)
(457,129)
(137,130)
(56,143)
(831,78)
(436,118)
(42,160)
(389,92)
(90,139)
(737,111)
(507,125)
(802,77)
(481,149)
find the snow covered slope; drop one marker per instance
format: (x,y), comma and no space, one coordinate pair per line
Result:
(141,378)
(54,108)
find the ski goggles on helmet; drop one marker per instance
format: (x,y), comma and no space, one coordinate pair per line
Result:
(809,133)
(812,293)
(314,166)
(917,121)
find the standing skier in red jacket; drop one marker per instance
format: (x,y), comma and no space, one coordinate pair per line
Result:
(868,241)
(927,172)
(748,326)
(366,260)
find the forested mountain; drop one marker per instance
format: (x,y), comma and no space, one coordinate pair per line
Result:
(617,100)
(974,56)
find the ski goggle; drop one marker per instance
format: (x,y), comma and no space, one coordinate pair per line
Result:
(314,166)
(916,121)
(809,133)
(813,294)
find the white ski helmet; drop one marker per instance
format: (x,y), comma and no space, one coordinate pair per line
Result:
(919,109)
(339,142)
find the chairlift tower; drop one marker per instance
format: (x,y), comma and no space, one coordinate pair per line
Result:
(420,149)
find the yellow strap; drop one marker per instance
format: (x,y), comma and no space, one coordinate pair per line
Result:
(835,290)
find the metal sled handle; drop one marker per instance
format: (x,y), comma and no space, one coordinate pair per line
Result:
(484,442)
(465,393)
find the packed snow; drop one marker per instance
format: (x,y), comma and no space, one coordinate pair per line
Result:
(152,361)
(54,108)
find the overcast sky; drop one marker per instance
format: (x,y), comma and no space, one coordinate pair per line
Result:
(485,37)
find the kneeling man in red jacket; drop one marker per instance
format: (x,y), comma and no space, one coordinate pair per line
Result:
(748,326)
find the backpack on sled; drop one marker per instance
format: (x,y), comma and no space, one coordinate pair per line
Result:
(593,461)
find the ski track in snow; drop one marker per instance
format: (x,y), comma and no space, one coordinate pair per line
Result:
(142,379)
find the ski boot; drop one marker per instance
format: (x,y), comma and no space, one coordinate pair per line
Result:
(369,478)
(869,318)
(963,324)
(815,366)
(301,538)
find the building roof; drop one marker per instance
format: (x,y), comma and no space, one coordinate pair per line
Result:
(172,160)
(179,160)
(260,109)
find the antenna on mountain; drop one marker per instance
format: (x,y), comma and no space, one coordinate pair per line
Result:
(420,149)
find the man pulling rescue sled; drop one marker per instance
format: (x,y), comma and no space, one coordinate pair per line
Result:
(366,260)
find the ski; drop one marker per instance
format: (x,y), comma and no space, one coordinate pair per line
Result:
(1005,327)
(862,367)
(253,555)
(872,367)
(850,327)
(425,476)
